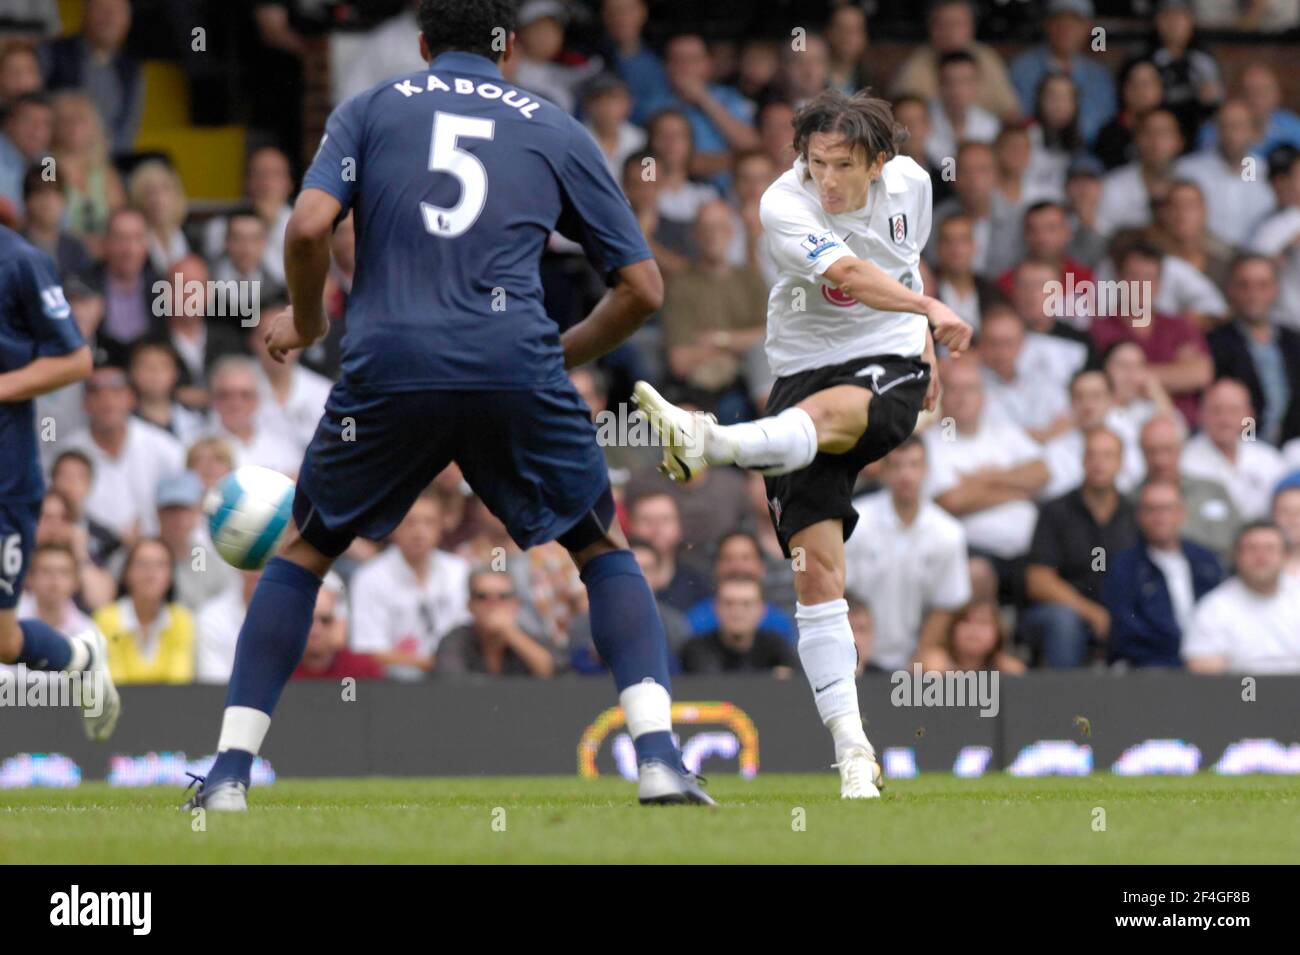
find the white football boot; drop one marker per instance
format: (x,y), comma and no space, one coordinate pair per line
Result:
(683,434)
(860,775)
(658,784)
(98,692)
(229,795)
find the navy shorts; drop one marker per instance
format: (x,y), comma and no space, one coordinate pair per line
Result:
(531,456)
(17,538)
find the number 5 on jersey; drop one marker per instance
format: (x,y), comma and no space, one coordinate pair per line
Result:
(445,155)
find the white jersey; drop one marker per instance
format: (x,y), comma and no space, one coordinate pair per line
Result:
(811,323)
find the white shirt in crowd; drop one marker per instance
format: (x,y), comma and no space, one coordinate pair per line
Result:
(1255,633)
(1249,481)
(1177,571)
(1064,456)
(1006,529)
(218,622)
(390,608)
(122,491)
(1040,391)
(1183,288)
(981,127)
(294,422)
(214,241)
(1234,204)
(1124,200)
(809,323)
(266,448)
(904,572)
(1279,234)
(630,139)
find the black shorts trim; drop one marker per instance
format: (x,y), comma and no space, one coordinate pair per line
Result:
(824,490)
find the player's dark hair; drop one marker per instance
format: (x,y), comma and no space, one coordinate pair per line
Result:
(467,26)
(865,121)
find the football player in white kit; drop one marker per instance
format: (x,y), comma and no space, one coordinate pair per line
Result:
(849,340)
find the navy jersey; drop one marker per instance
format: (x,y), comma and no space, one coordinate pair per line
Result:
(456,180)
(35,322)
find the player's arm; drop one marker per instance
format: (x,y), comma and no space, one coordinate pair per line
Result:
(46,375)
(875,288)
(637,295)
(306,266)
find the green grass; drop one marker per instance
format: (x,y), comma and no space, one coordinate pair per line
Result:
(565,819)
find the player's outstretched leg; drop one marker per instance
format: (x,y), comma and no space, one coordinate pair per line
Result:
(830,420)
(271,644)
(38,646)
(829,656)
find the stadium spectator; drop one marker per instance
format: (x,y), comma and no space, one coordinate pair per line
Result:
(956,284)
(863,623)
(125,284)
(1175,349)
(913,114)
(1091,408)
(738,645)
(156,190)
(607,106)
(217,621)
(268,185)
(806,71)
(640,67)
(653,516)
(199,573)
(1141,90)
(1180,231)
(1041,300)
(1258,87)
(678,197)
(1129,192)
(1151,589)
(211,459)
(155,372)
(1227,451)
(955,115)
(1137,394)
(1191,77)
(291,398)
(1083,198)
(82,156)
(973,639)
(1019,182)
(1212,519)
(753,174)
(45,206)
(541,63)
(740,555)
(1278,236)
(1286,515)
(985,473)
(1054,136)
(1046,235)
(776,133)
(25,138)
(97,60)
(407,599)
(1236,202)
(327,656)
(1022,385)
(236,403)
(151,638)
(713,316)
(757,74)
(199,343)
(908,559)
(71,479)
(494,643)
(20,72)
(950,27)
(244,258)
(1074,538)
(1262,356)
(846,37)
(129,457)
(1067,30)
(1248,623)
(59,524)
(390,49)
(53,584)
(996,222)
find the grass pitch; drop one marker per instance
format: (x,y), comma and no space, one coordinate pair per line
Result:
(774,818)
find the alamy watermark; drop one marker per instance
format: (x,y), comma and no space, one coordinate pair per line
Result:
(935,688)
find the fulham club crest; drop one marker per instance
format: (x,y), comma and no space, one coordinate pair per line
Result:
(898,227)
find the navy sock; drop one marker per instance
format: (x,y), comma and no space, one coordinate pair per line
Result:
(271,643)
(44,648)
(629,636)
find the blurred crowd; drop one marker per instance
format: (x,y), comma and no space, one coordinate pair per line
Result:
(1111,480)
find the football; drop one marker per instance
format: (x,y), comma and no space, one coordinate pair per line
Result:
(247,511)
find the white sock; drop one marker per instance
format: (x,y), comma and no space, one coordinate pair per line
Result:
(243,728)
(80,656)
(777,445)
(647,707)
(829,657)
